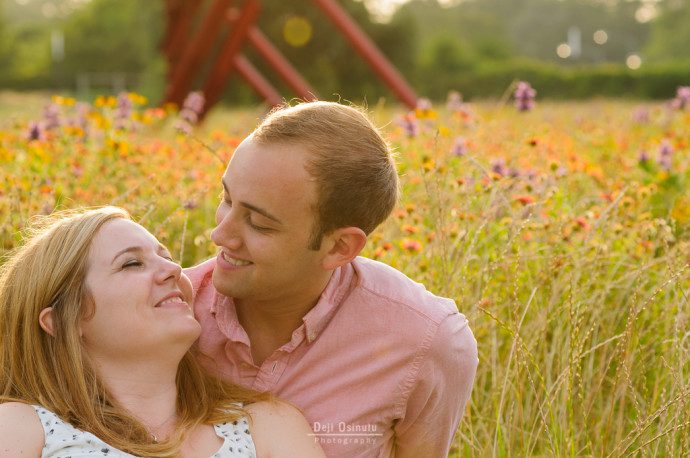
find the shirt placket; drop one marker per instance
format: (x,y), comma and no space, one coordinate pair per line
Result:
(271,371)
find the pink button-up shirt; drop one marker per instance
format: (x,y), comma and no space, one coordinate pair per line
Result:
(380,367)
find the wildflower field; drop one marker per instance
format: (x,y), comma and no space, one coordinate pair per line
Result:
(562,230)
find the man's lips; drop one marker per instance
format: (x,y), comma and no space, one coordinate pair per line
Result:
(231,261)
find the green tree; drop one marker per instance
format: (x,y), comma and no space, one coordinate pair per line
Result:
(670,34)
(113,36)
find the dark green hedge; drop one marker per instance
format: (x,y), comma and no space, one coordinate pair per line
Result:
(656,81)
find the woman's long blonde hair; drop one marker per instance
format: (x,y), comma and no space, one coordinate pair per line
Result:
(48,270)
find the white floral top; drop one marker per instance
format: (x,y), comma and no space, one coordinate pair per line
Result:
(65,441)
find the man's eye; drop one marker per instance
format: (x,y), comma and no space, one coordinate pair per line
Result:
(255,227)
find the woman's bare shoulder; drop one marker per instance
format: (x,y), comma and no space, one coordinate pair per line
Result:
(21,433)
(279,429)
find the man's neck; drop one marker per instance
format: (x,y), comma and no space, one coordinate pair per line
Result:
(270,324)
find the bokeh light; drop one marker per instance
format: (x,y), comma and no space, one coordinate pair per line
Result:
(633,61)
(563,50)
(601,37)
(297,31)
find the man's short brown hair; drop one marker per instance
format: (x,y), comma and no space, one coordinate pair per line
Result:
(356,180)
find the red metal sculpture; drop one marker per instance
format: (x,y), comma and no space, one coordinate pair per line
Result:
(188,50)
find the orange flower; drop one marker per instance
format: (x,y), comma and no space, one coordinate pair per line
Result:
(524,199)
(411,245)
(581,223)
(410,229)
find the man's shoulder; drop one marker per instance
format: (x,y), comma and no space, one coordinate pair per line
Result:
(382,283)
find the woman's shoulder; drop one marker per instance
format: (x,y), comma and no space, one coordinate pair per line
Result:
(21,432)
(279,426)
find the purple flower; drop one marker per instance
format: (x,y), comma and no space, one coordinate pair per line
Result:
(51,116)
(524,96)
(643,157)
(454,101)
(82,119)
(409,124)
(123,110)
(36,131)
(459,147)
(424,104)
(192,108)
(498,166)
(195,102)
(183,126)
(682,98)
(641,115)
(665,153)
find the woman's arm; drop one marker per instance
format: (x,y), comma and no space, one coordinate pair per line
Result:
(21,433)
(280,430)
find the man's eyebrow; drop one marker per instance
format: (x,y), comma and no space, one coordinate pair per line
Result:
(138,249)
(254,208)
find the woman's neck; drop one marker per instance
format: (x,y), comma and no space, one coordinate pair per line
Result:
(146,389)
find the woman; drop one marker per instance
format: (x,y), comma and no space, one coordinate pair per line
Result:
(95,335)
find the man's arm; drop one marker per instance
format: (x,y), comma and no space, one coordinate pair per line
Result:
(438,398)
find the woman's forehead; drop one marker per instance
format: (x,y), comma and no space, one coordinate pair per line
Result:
(121,233)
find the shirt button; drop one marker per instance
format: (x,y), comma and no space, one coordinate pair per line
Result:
(312,336)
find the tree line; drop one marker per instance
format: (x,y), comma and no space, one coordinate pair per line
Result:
(474,46)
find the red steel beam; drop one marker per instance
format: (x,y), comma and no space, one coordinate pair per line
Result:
(368,50)
(281,65)
(256,80)
(181,14)
(224,62)
(196,52)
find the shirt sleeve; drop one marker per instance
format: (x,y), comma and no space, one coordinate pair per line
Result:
(438,398)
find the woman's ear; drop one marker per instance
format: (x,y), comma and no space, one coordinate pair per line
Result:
(346,244)
(45,319)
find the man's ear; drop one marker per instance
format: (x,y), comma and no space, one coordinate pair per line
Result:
(345,244)
(45,320)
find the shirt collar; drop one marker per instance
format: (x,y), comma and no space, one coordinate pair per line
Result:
(337,289)
(223,309)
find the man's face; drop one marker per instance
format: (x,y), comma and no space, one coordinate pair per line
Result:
(263,222)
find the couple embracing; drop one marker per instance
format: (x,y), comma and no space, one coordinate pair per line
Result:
(287,343)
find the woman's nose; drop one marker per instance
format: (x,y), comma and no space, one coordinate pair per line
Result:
(169,270)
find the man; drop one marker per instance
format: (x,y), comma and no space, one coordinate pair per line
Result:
(379,366)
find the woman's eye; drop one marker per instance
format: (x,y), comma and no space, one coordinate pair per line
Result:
(225,199)
(133,263)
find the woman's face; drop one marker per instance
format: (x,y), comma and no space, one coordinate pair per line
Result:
(142,301)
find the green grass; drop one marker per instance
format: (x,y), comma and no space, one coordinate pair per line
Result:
(573,272)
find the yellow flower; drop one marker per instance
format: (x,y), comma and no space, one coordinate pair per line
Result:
(681,210)
(64,101)
(137,99)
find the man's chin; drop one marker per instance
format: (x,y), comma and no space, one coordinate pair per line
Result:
(223,286)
